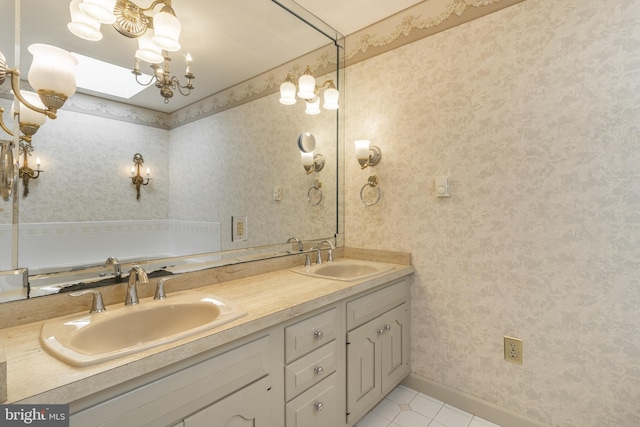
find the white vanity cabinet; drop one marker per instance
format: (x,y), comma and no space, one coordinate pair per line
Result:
(377,346)
(311,360)
(324,368)
(221,386)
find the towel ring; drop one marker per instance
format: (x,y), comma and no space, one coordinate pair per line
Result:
(373,182)
(315,189)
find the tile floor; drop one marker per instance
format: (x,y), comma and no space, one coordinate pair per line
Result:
(404,407)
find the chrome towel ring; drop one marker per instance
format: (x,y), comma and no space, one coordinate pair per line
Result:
(373,183)
(314,195)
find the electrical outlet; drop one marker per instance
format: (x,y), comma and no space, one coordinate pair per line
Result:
(238,228)
(513,350)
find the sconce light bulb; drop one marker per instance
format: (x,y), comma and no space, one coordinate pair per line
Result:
(362,149)
(306,158)
(133,170)
(148,170)
(37,162)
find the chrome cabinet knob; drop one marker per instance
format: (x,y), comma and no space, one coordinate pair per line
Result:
(319,406)
(318,335)
(381,331)
(387,327)
(318,370)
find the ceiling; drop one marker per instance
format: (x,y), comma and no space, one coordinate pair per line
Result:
(230,41)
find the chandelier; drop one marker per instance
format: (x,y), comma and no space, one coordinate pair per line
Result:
(157,36)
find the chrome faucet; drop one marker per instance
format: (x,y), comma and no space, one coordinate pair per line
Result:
(293,239)
(117,271)
(136,275)
(329,254)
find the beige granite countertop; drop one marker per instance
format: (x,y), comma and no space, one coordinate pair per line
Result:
(34,376)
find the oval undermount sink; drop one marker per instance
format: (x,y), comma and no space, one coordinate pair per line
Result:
(85,339)
(345,269)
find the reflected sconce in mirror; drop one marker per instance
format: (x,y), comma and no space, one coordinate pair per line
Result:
(311,161)
(136,178)
(157,34)
(367,154)
(310,92)
(52,76)
(25,172)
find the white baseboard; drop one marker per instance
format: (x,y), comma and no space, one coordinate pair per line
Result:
(469,403)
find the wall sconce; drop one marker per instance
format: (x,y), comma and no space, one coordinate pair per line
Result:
(25,172)
(312,162)
(136,178)
(51,75)
(308,91)
(367,154)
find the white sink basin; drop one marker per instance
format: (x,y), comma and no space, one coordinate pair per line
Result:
(85,339)
(345,269)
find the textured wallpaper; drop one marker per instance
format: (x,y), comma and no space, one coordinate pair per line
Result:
(534,114)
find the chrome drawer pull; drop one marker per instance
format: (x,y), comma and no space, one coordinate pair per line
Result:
(319,406)
(319,370)
(318,335)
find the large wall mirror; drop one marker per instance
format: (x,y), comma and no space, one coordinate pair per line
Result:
(224,156)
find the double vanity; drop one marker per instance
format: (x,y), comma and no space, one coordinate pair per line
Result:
(266,343)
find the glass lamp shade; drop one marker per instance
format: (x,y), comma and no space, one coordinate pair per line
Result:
(287,93)
(100,10)
(331,96)
(82,25)
(148,51)
(362,149)
(313,107)
(306,158)
(167,30)
(52,69)
(27,115)
(306,86)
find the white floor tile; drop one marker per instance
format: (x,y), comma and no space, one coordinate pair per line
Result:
(426,405)
(411,419)
(402,394)
(372,420)
(479,422)
(404,407)
(387,409)
(453,417)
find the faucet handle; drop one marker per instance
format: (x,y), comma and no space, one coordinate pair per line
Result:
(160,289)
(97,305)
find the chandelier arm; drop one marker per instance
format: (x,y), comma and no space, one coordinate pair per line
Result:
(154,4)
(15,86)
(175,84)
(2,124)
(151,80)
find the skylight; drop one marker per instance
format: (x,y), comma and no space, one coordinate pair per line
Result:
(103,77)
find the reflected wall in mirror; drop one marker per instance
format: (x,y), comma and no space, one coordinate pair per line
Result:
(205,170)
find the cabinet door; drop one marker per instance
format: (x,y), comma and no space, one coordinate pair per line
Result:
(395,347)
(364,374)
(248,407)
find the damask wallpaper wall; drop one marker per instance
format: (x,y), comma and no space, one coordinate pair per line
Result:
(534,114)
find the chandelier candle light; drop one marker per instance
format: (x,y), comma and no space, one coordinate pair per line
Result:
(157,36)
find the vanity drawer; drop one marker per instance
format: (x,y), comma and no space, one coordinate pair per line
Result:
(309,334)
(309,370)
(365,308)
(316,407)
